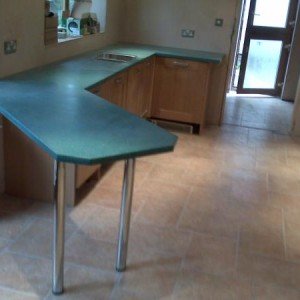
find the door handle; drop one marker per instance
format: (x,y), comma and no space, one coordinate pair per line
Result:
(180,64)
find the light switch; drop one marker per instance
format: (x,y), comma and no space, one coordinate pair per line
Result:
(219,22)
(10,47)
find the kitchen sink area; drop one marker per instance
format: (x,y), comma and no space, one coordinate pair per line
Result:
(108,56)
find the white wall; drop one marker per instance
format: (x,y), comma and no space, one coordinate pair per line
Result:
(159,22)
(23,20)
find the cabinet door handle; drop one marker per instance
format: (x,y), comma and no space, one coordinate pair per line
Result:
(118,81)
(180,64)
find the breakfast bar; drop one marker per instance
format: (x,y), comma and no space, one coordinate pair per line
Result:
(53,107)
(51,125)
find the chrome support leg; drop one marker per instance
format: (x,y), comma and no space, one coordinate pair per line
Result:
(127,192)
(59,229)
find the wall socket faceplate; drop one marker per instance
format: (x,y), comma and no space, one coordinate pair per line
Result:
(10,47)
(187,33)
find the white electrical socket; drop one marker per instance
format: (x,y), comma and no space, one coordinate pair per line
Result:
(188,33)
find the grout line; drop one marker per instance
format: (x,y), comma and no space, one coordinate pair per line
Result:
(192,188)
(237,248)
(284,233)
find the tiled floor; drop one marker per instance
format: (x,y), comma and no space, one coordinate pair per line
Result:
(217,219)
(260,112)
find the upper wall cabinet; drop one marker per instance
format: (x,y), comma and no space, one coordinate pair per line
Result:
(72,19)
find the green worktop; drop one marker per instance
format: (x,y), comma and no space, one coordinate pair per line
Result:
(51,106)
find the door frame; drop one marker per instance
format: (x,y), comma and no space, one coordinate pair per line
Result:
(267,33)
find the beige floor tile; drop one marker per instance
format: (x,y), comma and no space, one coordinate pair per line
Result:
(269,271)
(163,190)
(261,231)
(25,274)
(211,255)
(292,235)
(75,216)
(82,250)
(156,238)
(284,184)
(264,219)
(214,222)
(287,202)
(252,192)
(242,161)
(258,137)
(200,180)
(4,243)
(103,224)
(36,240)
(150,275)
(122,294)
(271,245)
(273,292)
(86,284)
(159,213)
(169,173)
(195,285)
(7,294)
(209,198)
(110,197)
(12,224)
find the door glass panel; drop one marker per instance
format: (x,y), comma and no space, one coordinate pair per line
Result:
(262,65)
(271,13)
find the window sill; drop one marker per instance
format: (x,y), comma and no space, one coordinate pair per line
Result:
(61,42)
(70,38)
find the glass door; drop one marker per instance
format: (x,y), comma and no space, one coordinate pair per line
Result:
(266,47)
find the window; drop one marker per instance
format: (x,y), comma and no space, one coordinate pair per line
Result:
(74,19)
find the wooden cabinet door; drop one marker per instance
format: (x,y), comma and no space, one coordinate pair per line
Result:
(139,89)
(180,90)
(147,90)
(118,89)
(113,89)
(134,89)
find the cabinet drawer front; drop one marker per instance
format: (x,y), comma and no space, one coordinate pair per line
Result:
(182,64)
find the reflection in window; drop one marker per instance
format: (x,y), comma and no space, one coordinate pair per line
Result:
(262,65)
(77,18)
(271,13)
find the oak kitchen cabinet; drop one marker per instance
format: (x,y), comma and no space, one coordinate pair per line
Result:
(139,88)
(131,89)
(180,90)
(113,89)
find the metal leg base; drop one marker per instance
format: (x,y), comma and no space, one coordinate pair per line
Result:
(125,214)
(59,230)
